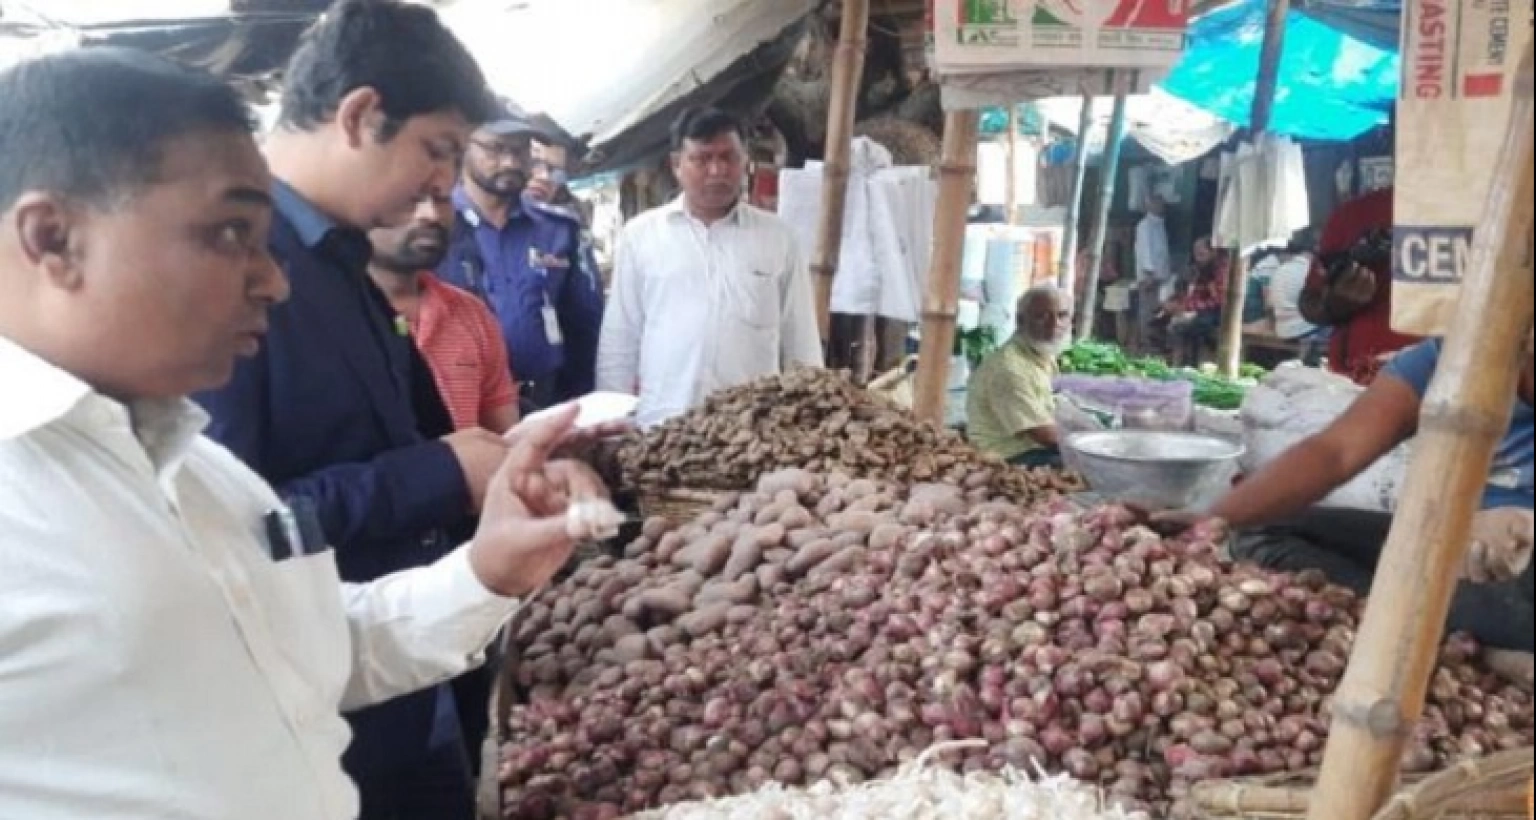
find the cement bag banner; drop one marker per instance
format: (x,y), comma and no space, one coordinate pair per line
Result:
(1459,63)
(987,36)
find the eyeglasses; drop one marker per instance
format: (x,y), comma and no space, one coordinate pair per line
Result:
(505,150)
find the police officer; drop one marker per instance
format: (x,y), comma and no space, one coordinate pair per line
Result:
(525,259)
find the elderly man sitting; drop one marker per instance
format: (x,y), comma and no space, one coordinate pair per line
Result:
(1011,408)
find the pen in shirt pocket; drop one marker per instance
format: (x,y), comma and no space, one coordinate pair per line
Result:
(294,530)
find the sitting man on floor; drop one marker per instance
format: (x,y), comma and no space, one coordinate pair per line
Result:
(1011,407)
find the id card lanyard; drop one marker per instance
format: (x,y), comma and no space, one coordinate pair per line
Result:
(552,333)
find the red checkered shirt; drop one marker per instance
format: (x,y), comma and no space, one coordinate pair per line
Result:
(462,342)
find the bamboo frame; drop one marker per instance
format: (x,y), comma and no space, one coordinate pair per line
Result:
(1011,146)
(847,72)
(1067,278)
(1088,311)
(1231,339)
(941,303)
(1465,414)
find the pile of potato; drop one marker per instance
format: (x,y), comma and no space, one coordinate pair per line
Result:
(816,420)
(835,628)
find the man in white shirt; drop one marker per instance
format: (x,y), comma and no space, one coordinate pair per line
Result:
(708,292)
(175,643)
(1154,269)
(1286,284)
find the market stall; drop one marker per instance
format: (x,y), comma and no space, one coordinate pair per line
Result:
(828,591)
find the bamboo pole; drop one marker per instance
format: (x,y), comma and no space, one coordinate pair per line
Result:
(1465,414)
(1067,279)
(941,303)
(1011,186)
(1109,169)
(1231,353)
(847,73)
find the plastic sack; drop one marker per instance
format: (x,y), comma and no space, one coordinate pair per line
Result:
(1295,403)
(1089,403)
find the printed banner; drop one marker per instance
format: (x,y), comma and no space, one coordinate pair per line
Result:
(1459,62)
(987,36)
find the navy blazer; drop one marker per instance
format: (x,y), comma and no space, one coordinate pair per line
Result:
(325,411)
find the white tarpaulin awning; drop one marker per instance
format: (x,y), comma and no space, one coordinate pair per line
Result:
(600,67)
(1175,131)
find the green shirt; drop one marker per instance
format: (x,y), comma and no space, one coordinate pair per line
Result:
(1010,393)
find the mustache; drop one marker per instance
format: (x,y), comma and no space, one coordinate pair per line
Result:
(426,233)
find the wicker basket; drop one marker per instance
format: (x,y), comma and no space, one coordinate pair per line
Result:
(1493,788)
(676,504)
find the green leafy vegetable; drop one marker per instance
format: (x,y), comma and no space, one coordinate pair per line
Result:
(1109,360)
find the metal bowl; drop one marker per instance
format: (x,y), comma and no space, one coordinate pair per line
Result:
(1155,470)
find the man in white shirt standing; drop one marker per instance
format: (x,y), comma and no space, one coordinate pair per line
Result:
(175,643)
(1154,269)
(708,292)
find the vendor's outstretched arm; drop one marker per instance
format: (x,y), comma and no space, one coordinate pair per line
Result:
(1385,416)
(1048,435)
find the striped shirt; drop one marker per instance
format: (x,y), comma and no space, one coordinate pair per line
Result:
(462,342)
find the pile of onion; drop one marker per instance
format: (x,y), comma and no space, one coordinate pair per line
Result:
(1061,637)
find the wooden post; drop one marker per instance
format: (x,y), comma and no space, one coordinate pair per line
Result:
(1011,186)
(1067,279)
(1231,353)
(941,304)
(1109,169)
(1465,414)
(847,73)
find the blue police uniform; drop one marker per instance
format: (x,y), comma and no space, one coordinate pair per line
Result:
(328,411)
(543,288)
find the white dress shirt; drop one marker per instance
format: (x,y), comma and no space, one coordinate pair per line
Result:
(1154,261)
(696,309)
(1285,288)
(155,662)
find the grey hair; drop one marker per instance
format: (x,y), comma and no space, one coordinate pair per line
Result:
(1033,294)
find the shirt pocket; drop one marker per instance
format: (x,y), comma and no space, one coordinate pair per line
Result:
(753,297)
(312,624)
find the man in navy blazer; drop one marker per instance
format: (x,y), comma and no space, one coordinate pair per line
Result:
(377,109)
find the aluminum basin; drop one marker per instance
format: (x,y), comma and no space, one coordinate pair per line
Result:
(1155,470)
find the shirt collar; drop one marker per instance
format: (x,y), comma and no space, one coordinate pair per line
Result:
(307,220)
(679,208)
(464,205)
(48,395)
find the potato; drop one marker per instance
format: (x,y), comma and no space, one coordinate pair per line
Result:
(846,540)
(665,604)
(688,557)
(662,637)
(795,518)
(743,591)
(888,536)
(769,575)
(770,536)
(708,557)
(839,563)
(655,527)
(745,555)
(770,513)
(860,488)
(741,614)
(632,648)
(668,546)
(704,621)
(808,556)
(779,555)
(799,538)
(796,481)
(616,628)
(856,522)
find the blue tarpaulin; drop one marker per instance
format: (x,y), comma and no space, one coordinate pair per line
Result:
(1331,87)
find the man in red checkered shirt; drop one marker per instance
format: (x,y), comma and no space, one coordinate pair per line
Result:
(455,331)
